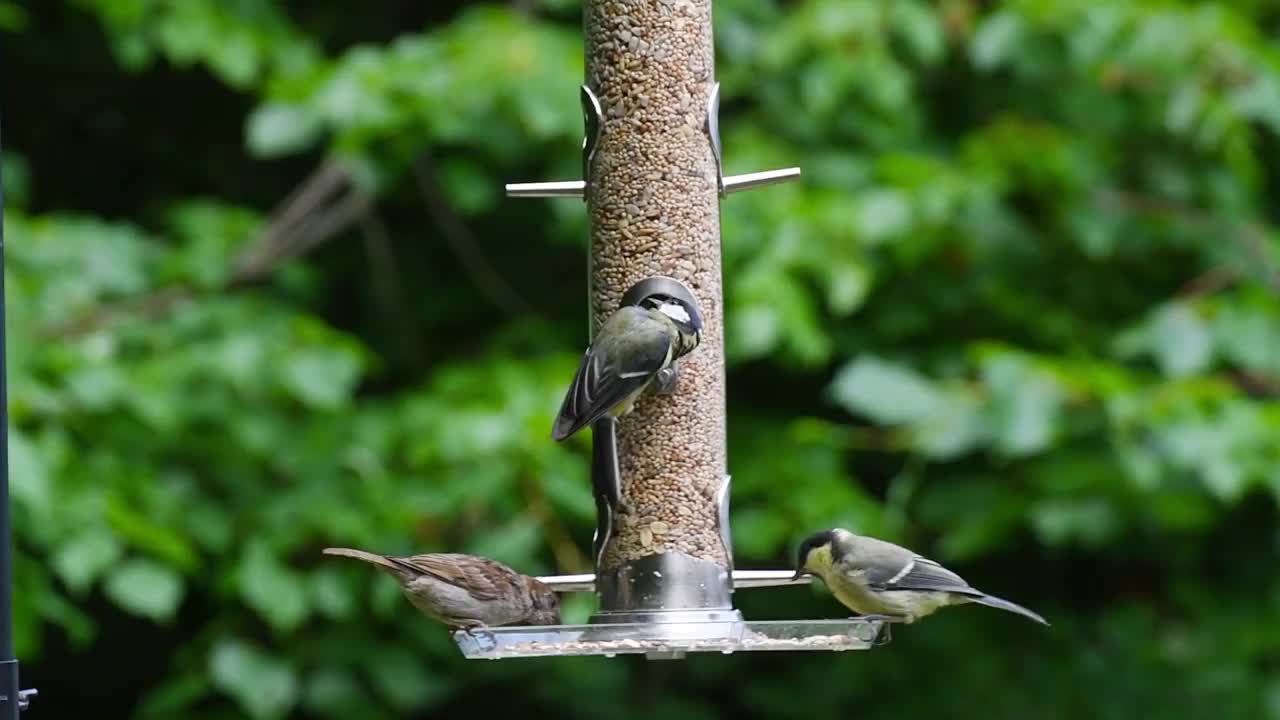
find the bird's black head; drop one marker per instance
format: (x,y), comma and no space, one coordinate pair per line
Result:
(682,312)
(824,539)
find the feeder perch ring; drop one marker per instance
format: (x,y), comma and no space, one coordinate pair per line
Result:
(659,285)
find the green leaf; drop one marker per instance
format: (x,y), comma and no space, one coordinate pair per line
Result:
(1091,521)
(566,482)
(133,526)
(1181,340)
(848,286)
(882,214)
(96,387)
(954,427)
(278,128)
(1249,335)
(920,26)
(403,680)
(996,40)
(975,515)
(86,557)
(1206,448)
(210,526)
(264,685)
(213,235)
(509,541)
(275,591)
(331,595)
(235,59)
(145,588)
(335,693)
(1142,465)
(79,628)
(755,329)
(1025,405)
(470,189)
(322,379)
(28,475)
(887,393)
(1224,477)
(757,532)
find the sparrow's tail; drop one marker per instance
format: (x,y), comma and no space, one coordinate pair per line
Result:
(371,558)
(1002,604)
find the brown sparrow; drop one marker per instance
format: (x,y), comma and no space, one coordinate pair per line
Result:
(466,591)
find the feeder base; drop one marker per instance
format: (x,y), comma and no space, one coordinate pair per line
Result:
(670,640)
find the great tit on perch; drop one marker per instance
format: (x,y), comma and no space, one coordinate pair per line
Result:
(884,581)
(466,591)
(638,345)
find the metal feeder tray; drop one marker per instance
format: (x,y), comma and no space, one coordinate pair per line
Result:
(671,640)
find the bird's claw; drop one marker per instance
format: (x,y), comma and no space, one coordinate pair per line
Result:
(884,632)
(666,380)
(880,618)
(481,636)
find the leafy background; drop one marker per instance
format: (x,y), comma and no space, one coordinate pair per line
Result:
(1022,314)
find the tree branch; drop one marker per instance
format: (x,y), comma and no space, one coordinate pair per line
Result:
(274,240)
(386,281)
(300,224)
(464,245)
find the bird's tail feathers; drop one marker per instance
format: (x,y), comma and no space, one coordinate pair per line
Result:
(371,558)
(564,427)
(1002,604)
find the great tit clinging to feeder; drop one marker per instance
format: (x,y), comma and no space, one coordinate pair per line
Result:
(879,579)
(636,345)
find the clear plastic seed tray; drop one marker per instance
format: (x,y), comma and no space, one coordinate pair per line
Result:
(670,640)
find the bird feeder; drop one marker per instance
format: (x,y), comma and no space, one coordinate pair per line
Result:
(652,180)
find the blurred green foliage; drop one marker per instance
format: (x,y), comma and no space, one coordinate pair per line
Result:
(1023,314)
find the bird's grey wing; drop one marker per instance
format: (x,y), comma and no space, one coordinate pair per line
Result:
(608,375)
(484,579)
(917,573)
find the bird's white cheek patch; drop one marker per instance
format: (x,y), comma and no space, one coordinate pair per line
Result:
(675,312)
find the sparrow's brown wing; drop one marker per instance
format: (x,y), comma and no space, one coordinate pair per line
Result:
(485,579)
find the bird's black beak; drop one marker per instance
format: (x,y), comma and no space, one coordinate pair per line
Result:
(799,574)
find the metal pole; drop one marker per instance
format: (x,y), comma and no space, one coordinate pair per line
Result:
(742,579)
(12,701)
